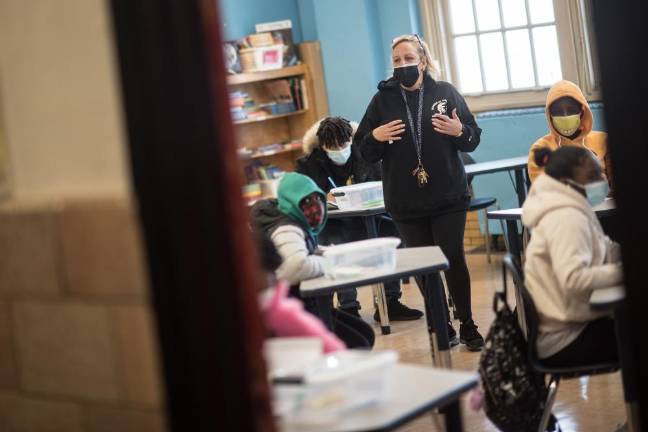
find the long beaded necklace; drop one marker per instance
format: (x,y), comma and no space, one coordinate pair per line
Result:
(419,172)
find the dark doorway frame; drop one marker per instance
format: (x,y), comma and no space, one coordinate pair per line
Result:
(186,181)
(619,28)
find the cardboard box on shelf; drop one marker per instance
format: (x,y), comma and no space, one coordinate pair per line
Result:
(281,32)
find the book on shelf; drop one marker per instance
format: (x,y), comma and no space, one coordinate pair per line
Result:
(279,90)
(297,89)
(256,171)
(304,93)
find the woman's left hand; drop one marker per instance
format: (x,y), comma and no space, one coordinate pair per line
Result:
(446,125)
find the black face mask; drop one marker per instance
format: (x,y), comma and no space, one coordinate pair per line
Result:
(407,75)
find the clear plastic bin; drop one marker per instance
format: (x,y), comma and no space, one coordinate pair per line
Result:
(358,195)
(357,258)
(289,356)
(336,384)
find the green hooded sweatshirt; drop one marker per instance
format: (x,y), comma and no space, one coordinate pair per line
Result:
(293,188)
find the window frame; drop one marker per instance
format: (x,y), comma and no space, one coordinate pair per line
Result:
(575,40)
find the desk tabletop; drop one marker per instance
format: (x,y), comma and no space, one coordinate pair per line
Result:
(607,298)
(496,165)
(409,262)
(415,390)
(357,211)
(508,214)
(606,208)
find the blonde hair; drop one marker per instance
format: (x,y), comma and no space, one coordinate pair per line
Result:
(423,51)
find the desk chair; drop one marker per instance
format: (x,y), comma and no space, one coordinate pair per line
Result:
(532,324)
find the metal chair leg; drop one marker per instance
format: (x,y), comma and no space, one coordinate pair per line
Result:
(381,302)
(451,304)
(503,227)
(488,239)
(551,397)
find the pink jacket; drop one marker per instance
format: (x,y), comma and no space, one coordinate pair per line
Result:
(286,317)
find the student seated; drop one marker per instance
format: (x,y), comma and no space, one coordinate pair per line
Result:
(331,160)
(286,317)
(293,222)
(570,124)
(569,256)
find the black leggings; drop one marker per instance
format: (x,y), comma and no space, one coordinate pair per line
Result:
(596,344)
(447,232)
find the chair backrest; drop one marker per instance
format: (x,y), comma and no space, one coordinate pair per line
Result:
(531,317)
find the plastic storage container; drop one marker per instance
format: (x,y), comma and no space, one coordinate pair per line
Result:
(336,384)
(289,356)
(358,195)
(357,258)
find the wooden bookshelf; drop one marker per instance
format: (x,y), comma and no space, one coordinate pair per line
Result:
(253,77)
(254,133)
(269,117)
(271,153)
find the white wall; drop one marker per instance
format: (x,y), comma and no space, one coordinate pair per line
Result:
(60,97)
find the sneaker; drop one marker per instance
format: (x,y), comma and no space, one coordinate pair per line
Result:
(469,336)
(452,335)
(352,311)
(397,311)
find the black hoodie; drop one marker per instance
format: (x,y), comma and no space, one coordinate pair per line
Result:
(319,167)
(447,189)
(266,218)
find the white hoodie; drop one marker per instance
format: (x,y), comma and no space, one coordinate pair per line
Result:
(567,258)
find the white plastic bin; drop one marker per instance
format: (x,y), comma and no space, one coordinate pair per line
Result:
(336,384)
(358,195)
(357,258)
(289,356)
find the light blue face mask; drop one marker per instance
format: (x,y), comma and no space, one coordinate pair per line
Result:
(595,192)
(339,157)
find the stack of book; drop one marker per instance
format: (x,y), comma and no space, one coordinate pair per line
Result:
(257,171)
(239,102)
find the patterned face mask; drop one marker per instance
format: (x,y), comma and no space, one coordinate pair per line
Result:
(566,125)
(313,208)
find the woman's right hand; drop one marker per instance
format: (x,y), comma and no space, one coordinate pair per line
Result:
(389,131)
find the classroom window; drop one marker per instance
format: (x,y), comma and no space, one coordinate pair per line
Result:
(507,53)
(503,45)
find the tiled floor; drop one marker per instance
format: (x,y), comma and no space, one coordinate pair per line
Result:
(594,404)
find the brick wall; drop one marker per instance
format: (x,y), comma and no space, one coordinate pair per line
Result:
(78,351)
(473,237)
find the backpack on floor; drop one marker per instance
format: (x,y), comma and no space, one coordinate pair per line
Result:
(514,395)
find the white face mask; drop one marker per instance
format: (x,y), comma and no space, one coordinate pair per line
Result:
(339,157)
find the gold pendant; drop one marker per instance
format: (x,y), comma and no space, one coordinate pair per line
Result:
(421,175)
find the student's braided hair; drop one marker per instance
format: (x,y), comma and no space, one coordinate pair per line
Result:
(560,163)
(334,132)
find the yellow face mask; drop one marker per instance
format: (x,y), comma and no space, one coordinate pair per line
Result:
(566,125)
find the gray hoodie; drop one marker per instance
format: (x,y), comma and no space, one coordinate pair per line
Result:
(567,258)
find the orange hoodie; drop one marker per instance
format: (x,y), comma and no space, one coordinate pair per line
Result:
(593,140)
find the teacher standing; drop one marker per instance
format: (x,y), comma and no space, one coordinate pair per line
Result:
(417,127)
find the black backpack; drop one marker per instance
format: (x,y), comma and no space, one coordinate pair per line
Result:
(514,395)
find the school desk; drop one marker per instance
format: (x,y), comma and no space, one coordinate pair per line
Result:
(369,216)
(416,390)
(421,261)
(517,165)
